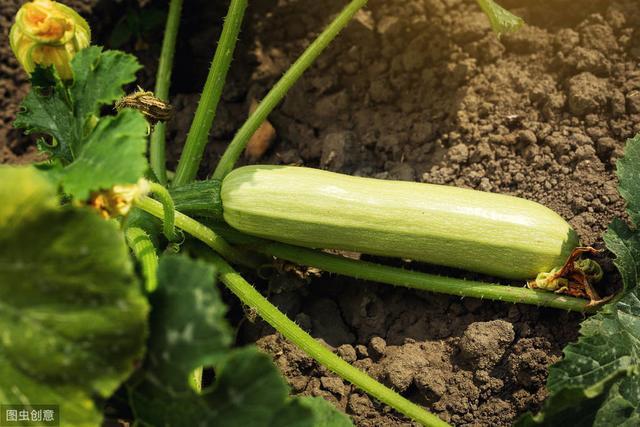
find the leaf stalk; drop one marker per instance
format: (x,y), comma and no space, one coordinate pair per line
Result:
(157,150)
(205,113)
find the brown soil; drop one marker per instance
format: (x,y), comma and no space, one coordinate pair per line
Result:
(424,91)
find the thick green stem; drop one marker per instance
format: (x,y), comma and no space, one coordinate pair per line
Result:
(157,151)
(168,221)
(203,120)
(277,93)
(400,277)
(423,281)
(144,251)
(252,298)
(199,199)
(199,231)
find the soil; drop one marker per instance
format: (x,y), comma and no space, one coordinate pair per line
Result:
(419,91)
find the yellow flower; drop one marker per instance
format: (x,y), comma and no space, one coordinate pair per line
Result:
(118,200)
(48,33)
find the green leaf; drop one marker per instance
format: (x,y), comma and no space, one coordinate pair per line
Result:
(310,412)
(625,244)
(188,325)
(598,380)
(585,385)
(188,330)
(47,110)
(24,192)
(72,316)
(629,175)
(115,153)
(69,115)
(502,21)
(98,78)
(248,391)
(622,407)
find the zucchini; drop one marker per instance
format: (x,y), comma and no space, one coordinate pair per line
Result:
(488,233)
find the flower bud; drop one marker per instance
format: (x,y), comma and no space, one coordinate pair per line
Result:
(48,33)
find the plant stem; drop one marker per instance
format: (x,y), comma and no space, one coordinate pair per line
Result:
(281,88)
(144,251)
(163,81)
(252,298)
(426,282)
(199,199)
(168,220)
(197,230)
(400,277)
(206,111)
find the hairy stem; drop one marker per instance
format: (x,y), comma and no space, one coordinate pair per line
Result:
(400,277)
(157,151)
(206,111)
(426,282)
(281,88)
(252,298)
(144,251)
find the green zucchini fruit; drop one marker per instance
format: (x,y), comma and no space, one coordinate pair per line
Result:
(489,233)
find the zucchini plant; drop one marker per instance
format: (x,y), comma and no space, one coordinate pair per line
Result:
(77,324)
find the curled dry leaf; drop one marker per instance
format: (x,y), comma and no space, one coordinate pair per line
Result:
(154,109)
(576,277)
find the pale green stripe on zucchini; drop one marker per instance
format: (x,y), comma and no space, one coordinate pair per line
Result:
(477,231)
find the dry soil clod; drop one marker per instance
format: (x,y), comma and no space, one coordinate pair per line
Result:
(261,140)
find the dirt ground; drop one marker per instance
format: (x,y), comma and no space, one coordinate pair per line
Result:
(419,91)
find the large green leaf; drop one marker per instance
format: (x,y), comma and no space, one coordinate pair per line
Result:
(98,78)
(189,330)
(72,316)
(598,380)
(113,154)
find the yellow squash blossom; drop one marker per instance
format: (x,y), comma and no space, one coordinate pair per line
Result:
(118,200)
(48,33)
